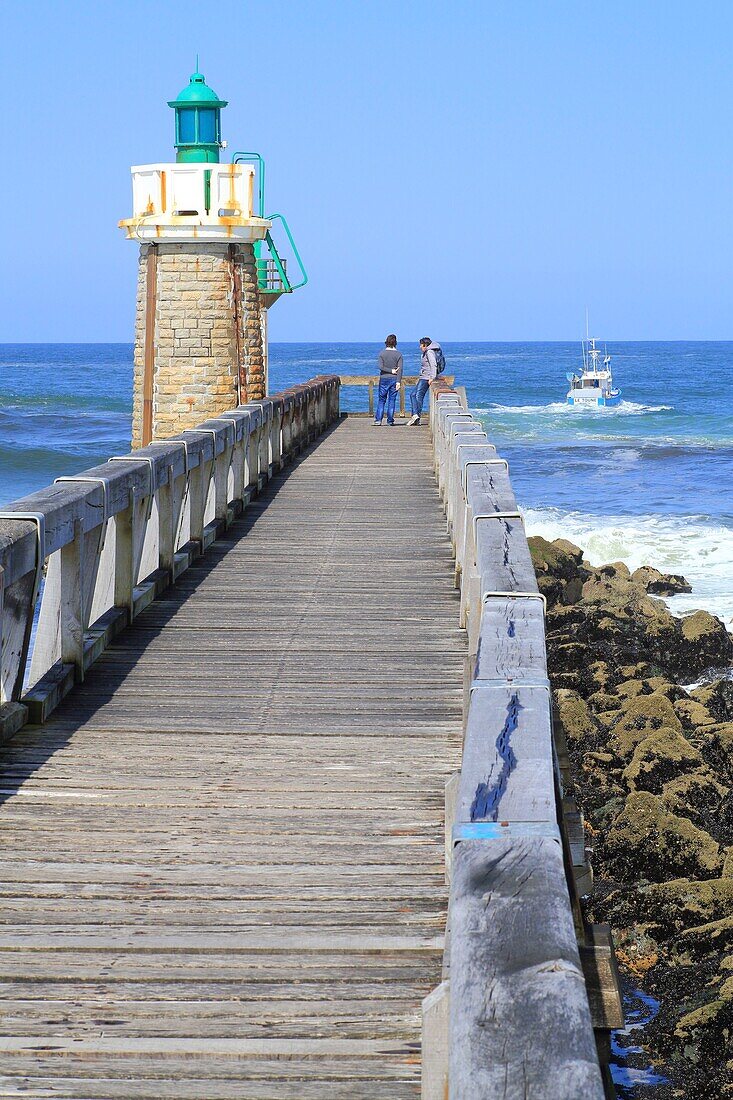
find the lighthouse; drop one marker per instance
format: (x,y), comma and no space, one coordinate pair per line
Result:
(208,272)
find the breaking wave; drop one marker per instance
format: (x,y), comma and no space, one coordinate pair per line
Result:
(699,548)
(625,408)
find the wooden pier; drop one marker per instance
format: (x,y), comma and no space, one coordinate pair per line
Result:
(224,836)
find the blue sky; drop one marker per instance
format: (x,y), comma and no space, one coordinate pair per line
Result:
(481,171)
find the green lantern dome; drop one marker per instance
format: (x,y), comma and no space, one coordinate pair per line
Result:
(198,121)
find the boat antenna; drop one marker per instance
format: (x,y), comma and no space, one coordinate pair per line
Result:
(584,343)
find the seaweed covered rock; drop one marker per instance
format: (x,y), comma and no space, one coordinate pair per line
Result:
(706,642)
(692,714)
(660,584)
(652,770)
(716,746)
(604,794)
(717,699)
(699,797)
(679,903)
(575,719)
(659,757)
(707,1028)
(558,568)
(647,841)
(641,716)
(614,614)
(716,935)
(615,569)
(556,559)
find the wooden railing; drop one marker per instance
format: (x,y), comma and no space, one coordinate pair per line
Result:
(512,1018)
(80,559)
(371,383)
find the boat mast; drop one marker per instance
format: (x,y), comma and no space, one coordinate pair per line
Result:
(585,343)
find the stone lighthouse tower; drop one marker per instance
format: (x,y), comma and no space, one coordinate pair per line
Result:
(204,281)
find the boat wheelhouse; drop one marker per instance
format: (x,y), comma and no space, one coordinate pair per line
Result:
(593,386)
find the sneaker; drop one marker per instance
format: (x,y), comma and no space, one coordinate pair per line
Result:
(390,423)
(376,423)
(412,420)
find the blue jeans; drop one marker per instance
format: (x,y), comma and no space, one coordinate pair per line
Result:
(387,396)
(417,396)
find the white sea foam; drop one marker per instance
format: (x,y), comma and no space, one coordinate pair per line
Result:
(710,677)
(699,549)
(625,408)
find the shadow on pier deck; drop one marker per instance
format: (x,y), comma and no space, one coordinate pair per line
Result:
(223,853)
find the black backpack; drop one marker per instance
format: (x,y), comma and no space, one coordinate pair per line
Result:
(439,361)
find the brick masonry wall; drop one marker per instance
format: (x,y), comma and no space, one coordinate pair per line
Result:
(196,373)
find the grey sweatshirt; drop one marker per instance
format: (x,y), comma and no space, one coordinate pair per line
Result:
(429,364)
(390,359)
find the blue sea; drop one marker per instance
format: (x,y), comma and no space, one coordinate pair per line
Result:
(647,482)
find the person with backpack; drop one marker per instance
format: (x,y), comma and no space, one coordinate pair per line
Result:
(390,374)
(432,365)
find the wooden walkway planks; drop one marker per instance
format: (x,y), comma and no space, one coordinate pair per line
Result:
(222,862)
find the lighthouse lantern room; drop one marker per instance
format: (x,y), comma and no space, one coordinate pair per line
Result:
(198,122)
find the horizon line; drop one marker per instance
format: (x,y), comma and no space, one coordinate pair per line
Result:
(380,342)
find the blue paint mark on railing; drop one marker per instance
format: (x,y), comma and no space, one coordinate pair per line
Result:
(485,806)
(633,1075)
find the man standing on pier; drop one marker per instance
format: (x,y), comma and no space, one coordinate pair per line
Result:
(432,355)
(390,374)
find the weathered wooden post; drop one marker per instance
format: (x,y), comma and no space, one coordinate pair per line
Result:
(516,1010)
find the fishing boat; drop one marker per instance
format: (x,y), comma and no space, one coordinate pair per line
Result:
(593,386)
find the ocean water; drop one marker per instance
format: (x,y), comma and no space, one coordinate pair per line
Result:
(647,482)
(633,1075)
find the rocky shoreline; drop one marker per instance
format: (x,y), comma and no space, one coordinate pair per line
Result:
(652,771)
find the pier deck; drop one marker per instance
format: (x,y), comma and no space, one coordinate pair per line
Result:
(222,861)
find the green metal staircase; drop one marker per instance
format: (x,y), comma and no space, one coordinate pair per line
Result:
(272,276)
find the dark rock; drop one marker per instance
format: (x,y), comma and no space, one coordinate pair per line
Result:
(603,794)
(570,549)
(716,936)
(652,770)
(615,569)
(601,676)
(716,746)
(621,619)
(707,642)
(717,698)
(572,592)
(663,686)
(699,797)
(567,657)
(677,904)
(707,1029)
(660,584)
(573,681)
(558,570)
(551,588)
(640,671)
(552,558)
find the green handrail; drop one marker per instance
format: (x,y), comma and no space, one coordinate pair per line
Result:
(259,160)
(301,265)
(278,263)
(241,158)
